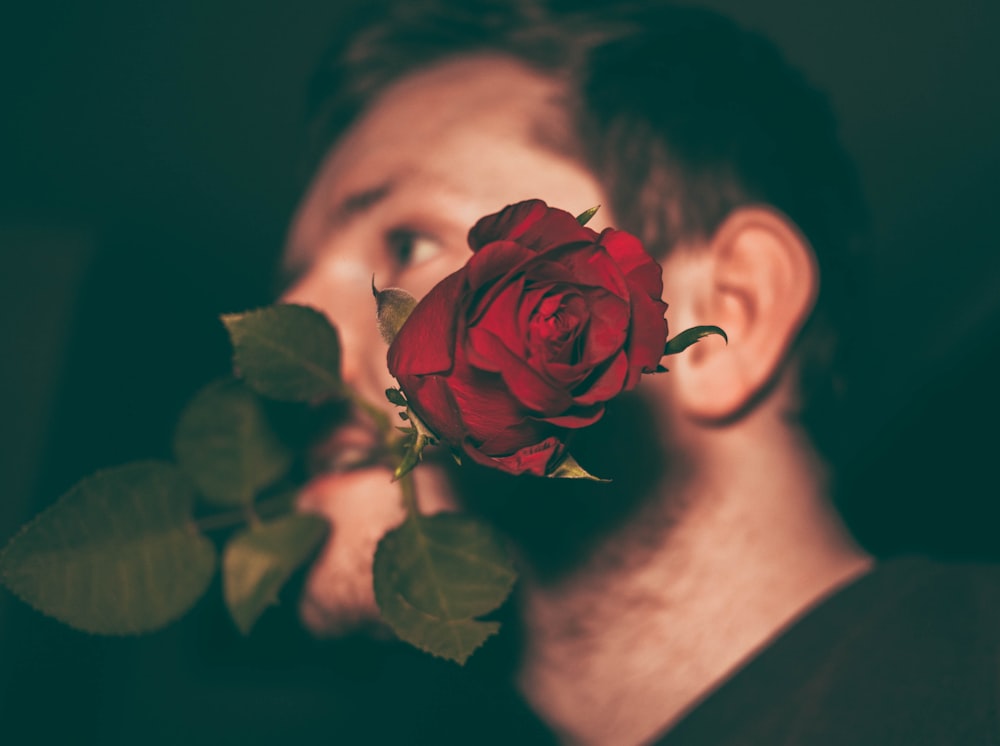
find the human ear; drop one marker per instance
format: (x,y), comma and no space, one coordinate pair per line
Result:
(758,281)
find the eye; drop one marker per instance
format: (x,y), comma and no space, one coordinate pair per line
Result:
(408,248)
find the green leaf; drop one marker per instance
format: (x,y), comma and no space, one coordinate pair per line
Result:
(117,554)
(287,352)
(689,336)
(257,562)
(434,575)
(393,307)
(224,442)
(584,217)
(568,468)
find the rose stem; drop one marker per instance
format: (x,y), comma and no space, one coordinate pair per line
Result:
(409,495)
(239,516)
(379,418)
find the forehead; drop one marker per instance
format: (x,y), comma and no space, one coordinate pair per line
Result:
(472,128)
(450,104)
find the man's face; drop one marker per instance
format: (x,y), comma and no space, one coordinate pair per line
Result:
(394,200)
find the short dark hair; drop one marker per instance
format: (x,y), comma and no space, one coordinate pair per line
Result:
(681,114)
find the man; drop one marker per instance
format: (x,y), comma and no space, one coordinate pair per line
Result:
(711,594)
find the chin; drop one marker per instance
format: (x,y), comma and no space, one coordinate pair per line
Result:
(361,506)
(558,525)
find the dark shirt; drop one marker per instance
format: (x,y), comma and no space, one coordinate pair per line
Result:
(906,655)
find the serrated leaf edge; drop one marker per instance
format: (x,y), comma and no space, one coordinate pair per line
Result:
(334,383)
(189,526)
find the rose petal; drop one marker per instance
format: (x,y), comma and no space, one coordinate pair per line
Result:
(514,437)
(434,403)
(608,330)
(608,384)
(426,341)
(553,331)
(496,260)
(578,417)
(525,383)
(531,302)
(534,459)
(490,271)
(488,408)
(531,223)
(508,224)
(557,228)
(639,268)
(565,375)
(648,337)
(588,265)
(546,270)
(502,319)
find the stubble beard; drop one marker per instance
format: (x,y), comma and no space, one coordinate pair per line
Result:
(558,529)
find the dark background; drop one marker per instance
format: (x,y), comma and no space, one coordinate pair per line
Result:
(150,157)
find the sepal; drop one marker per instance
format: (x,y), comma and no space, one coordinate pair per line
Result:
(418,437)
(568,468)
(395,396)
(393,307)
(584,217)
(689,336)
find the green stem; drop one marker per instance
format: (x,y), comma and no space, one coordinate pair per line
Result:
(252,517)
(409,494)
(248,514)
(379,417)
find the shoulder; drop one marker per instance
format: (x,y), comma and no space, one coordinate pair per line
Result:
(914,601)
(906,655)
(916,658)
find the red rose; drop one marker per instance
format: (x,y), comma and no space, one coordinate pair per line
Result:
(545,323)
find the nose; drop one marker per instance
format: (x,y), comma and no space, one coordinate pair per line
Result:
(340,287)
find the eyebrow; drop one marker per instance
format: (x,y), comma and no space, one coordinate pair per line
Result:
(350,208)
(356,204)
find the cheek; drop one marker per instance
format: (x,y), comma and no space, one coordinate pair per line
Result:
(419,280)
(338,282)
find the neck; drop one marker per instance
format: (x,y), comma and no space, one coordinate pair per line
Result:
(623,648)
